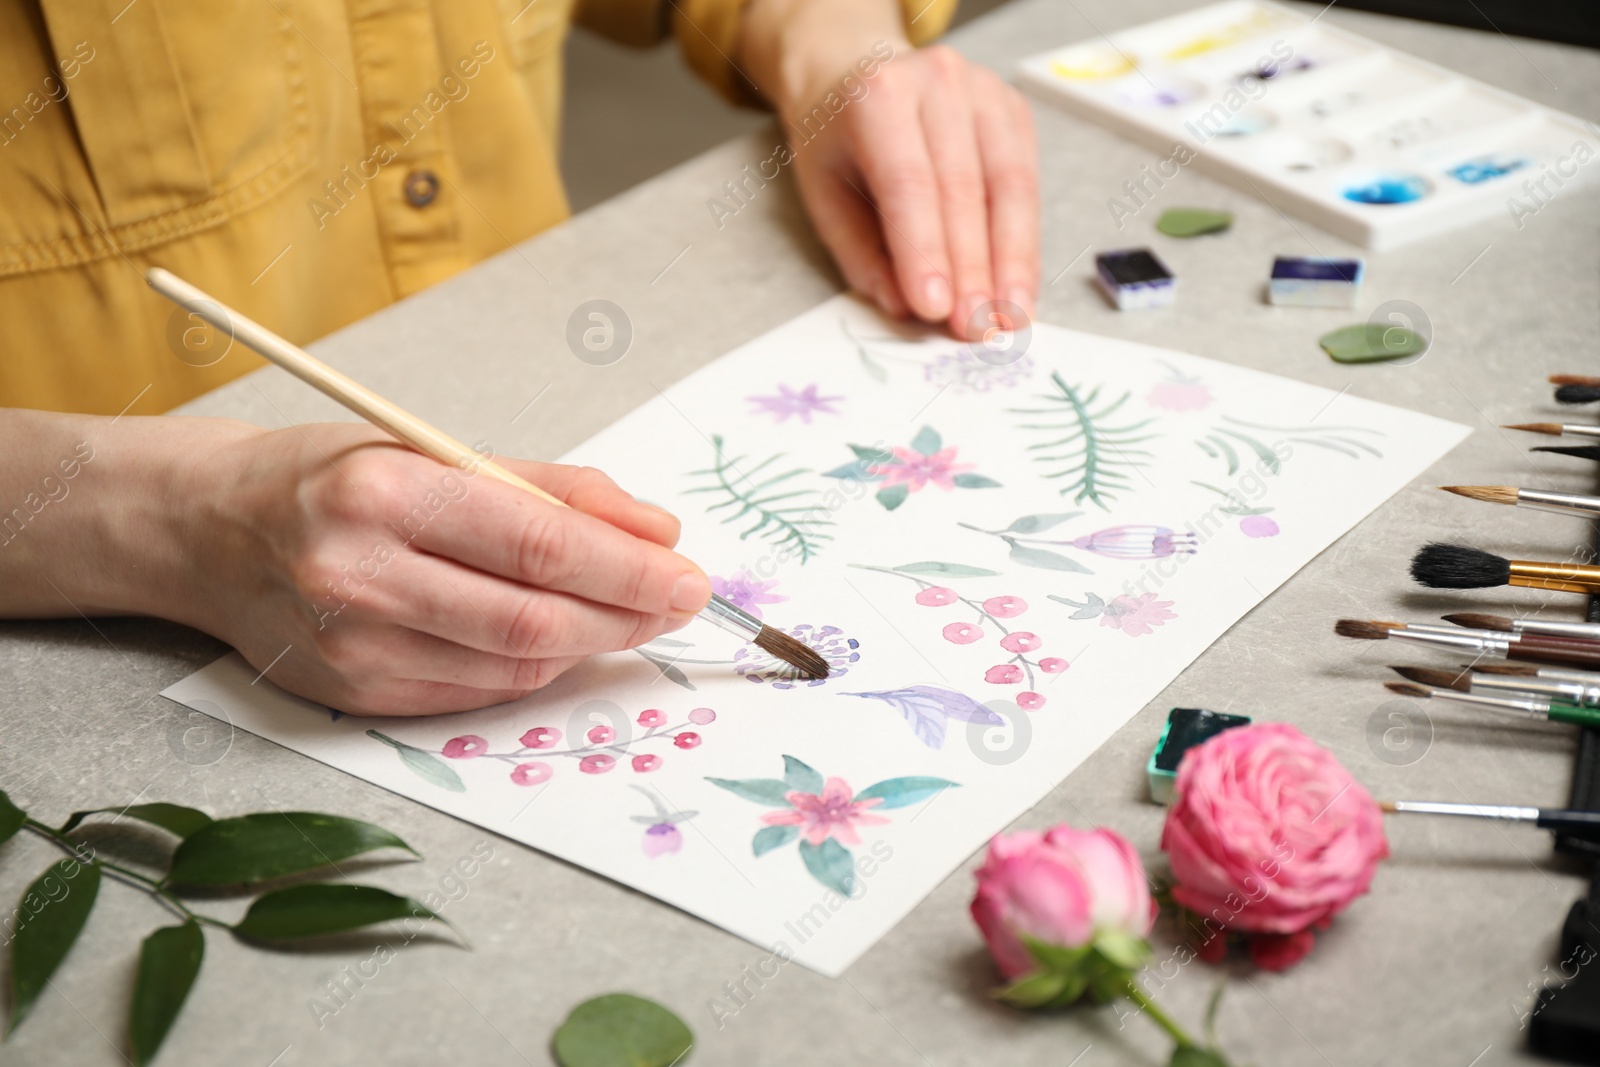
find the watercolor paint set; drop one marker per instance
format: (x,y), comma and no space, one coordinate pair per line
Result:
(1373,145)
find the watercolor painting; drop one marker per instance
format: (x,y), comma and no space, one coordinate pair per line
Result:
(1002,556)
(824,816)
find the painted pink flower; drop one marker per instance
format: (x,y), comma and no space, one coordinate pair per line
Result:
(686,740)
(1021,641)
(597,764)
(531,773)
(746,592)
(1053,665)
(661,839)
(601,735)
(962,633)
(1136,616)
(702,716)
(1179,393)
(646,763)
(541,737)
(1030,701)
(1269,835)
(1005,607)
(467,746)
(652,717)
(1258,526)
(832,813)
(913,470)
(802,404)
(936,596)
(1003,674)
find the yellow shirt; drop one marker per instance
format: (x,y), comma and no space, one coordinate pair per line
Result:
(306,161)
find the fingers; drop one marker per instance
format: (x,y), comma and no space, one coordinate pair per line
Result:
(1006,144)
(947,121)
(503,531)
(592,492)
(849,228)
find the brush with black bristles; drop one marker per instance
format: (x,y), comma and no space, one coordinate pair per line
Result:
(1528,706)
(1533,499)
(1573,821)
(1557,429)
(1575,451)
(1579,631)
(1557,650)
(1582,695)
(1575,388)
(1438,565)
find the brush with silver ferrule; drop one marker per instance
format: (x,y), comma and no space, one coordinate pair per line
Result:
(1533,499)
(1445,566)
(1528,706)
(1557,701)
(1556,650)
(1528,670)
(1581,631)
(1585,824)
(1556,429)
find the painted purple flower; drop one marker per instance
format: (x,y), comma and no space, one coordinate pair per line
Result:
(757,665)
(745,591)
(1258,526)
(967,371)
(661,839)
(802,404)
(1136,542)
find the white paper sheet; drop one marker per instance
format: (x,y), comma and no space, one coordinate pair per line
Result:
(985,640)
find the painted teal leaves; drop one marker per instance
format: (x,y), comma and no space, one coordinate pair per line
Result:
(903,471)
(823,815)
(1233,440)
(783,516)
(53,911)
(620,1030)
(1099,452)
(426,765)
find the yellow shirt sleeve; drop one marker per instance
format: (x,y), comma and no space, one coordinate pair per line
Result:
(708,31)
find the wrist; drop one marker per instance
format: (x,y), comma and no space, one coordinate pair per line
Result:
(798,51)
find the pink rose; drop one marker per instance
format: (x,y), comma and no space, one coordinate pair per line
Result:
(1063,888)
(1269,835)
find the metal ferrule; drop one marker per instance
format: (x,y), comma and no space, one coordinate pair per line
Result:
(1587,696)
(1481,811)
(1560,503)
(1569,430)
(1566,674)
(1529,706)
(1566,577)
(732,619)
(1589,631)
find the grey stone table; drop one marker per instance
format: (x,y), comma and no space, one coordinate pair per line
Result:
(1434,967)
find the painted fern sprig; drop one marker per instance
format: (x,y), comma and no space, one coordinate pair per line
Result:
(1222,441)
(1100,454)
(784,516)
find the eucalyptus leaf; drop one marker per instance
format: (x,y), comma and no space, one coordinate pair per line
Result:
(325,908)
(267,845)
(830,864)
(1044,559)
(11,818)
(927,441)
(800,776)
(1193,221)
(948,570)
(772,792)
(621,1030)
(174,818)
(431,768)
(968,480)
(53,910)
(1031,524)
(169,961)
(903,792)
(770,837)
(892,496)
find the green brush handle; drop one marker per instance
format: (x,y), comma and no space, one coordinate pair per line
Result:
(1573,714)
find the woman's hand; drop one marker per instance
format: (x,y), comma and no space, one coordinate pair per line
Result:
(923,182)
(349,569)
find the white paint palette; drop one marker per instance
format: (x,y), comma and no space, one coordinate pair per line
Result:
(1371,144)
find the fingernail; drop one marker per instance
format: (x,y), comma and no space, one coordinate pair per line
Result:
(1020,296)
(966,310)
(936,294)
(691,592)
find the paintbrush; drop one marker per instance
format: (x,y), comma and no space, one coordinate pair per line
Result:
(1576,388)
(1523,670)
(1580,631)
(1556,429)
(1478,642)
(1582,699)
(1575,451)
(423,437)
(1585,824)
(1444,566)
(1534,499)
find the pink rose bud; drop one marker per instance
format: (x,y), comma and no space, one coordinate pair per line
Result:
(1062,888)
(467,746)
(1268,834)
(541,737)
(652,717)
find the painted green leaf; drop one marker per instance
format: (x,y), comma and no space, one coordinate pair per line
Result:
(11,818)
(892,496)
(770,837)
(169,960)
(432,769)
(1031,524)
(969,480)
(621,1030)
(948,570)
(266,845)
(830,864)
(927,441)
(1193,221)
(800,776)
(1044,559)
(854,472)
(174,818)
(1370,342)
(325,908)
(871,456)
(53,910)
(901,792)
(769,791)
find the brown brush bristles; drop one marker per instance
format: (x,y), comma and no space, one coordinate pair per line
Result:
(1366,630)
(1406,689)
(1573,379)
(1551,428)
(1521,670)
(1387,807)
(801,656)
(1474,621)
(1494,494)
(1460,681)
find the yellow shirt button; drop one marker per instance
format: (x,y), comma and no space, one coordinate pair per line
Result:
(421,188)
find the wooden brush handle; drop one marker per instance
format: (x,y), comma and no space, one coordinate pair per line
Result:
(352,394)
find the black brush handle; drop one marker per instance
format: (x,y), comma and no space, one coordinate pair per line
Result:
(1585,824)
